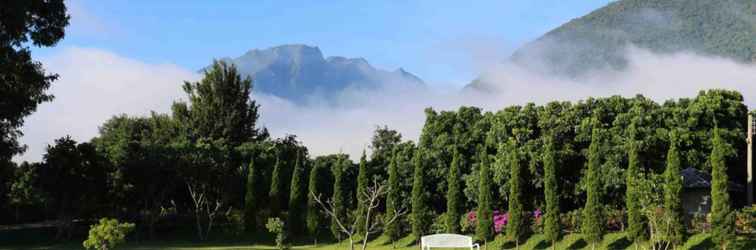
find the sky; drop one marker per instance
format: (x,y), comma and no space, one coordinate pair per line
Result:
(389,34)
(131,57)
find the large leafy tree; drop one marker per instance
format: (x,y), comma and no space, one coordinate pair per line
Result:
(722,216)
(23,81)
(592,219)
(73,176)
(382,146)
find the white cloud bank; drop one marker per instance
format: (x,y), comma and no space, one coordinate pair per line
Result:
(96,85)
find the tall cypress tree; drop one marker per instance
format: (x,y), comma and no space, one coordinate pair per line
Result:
(672,192)
(296,198)
(362,183)
(250,203)
(552,229)
(339,196)
(420,222)
(516,221)
(275,189)
(453,195)
(313,213)
(592,216)
(392,199)
(484,228)
(636,225)
(722,216)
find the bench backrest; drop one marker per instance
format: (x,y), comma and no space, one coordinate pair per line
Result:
(446,241)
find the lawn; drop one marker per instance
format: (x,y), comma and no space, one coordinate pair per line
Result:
(571,241)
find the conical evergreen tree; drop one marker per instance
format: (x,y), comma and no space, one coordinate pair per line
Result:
(592,226)
(392,199)
(722,216)
(339,196)
(362,183)
(484,228)
(552,229)
(673,186)
(313,213)
(250,203)
(420,216)
(517,219)
(275,189)
(296,220)
(636,224)
(453,195)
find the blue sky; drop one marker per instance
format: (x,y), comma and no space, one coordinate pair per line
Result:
(441,41)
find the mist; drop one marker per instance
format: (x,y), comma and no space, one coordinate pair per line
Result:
(95,85)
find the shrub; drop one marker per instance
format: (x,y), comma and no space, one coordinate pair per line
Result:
(745,220)
(538,220)
(235,222)
(439,224)
(500,221)
(107,234)
(276,226)
(615,219)
(700,223)
(571,221)
(467,222)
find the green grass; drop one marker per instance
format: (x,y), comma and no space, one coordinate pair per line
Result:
(537,241)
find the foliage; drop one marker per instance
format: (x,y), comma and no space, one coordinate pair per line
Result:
(745,221)
(518,220)
(275,188)
(277,227)
(421,215)
(722,216)
(314,218)
(296,213)
(392,198)
(25,82)
(107,234)
(339,195)
(484,214)
(592,226)
(552,227)
(673,187)
(636,228)
(362,182)
(453,196)
(250,201)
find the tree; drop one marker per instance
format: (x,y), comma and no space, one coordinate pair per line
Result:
(454,195)
(673,186)
(420,212)
(313,215)
(592,218)
(484,213)
(722,216)
(107,234)
(636,230)
(250,201)
(552,229)
(23,81)
(517,217)
(362,182)
(297,198)
(220,106)
(275,188)
(392,198)
(339,198)
(73,176)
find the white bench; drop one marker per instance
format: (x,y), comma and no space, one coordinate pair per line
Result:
(447,241)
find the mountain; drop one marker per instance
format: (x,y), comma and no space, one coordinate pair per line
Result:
(597,41)
(296,72)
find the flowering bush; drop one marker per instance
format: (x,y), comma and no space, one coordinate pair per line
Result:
(745,220)
(468,222)
(537,225)
(500,220)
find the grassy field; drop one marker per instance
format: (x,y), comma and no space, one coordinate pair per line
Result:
(24,240)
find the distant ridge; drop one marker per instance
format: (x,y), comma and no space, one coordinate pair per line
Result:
(296,72)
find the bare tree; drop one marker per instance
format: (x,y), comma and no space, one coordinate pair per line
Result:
(203,207)
(371,199)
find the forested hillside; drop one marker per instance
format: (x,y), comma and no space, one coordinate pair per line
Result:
(724,28)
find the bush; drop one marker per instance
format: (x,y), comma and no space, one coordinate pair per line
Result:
(745,220)
(537,221)
(700,223)
(107,234)
(235,224)
(571,221)
(276,226)
(467,223)
(439,224)
(615,219)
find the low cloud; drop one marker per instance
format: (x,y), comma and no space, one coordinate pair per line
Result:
(96,85)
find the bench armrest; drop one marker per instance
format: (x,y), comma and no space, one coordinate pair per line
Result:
(476,246)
